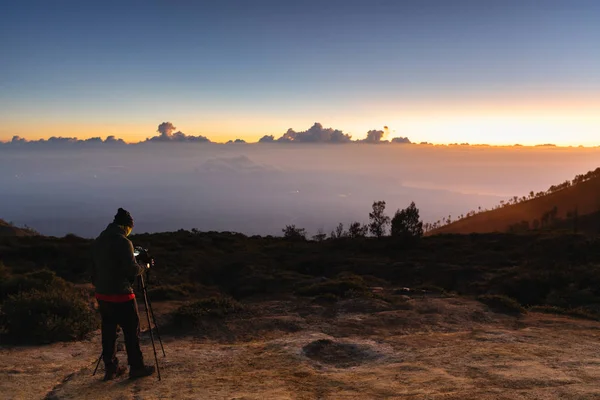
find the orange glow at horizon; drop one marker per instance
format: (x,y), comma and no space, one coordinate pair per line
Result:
(565,120)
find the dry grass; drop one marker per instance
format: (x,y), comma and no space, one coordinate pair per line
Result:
(439,348)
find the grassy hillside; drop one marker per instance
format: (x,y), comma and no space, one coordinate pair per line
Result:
(535,269)
(582,198)
(8,229)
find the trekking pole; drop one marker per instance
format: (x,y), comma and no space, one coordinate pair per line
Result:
(149,324)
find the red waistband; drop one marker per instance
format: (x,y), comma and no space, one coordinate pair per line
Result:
(115,298)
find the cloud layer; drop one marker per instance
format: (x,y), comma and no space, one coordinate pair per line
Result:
(257,189)
(58,141)
(167,133)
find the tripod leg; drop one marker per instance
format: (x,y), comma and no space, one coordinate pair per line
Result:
(97,364)
(150,326)
(155,324)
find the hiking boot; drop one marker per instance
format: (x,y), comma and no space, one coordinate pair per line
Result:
(112,373)
(139,372)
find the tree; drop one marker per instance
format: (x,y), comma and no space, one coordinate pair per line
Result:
(428,227)
(406,223)
(379,221)
(291,232)
(338,232)
(357,230)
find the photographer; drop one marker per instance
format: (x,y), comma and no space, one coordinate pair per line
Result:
(114,272)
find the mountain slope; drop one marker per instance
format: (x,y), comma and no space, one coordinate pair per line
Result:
(582,198)
(7,229)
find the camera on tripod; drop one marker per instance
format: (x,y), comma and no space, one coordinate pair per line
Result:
(143,257)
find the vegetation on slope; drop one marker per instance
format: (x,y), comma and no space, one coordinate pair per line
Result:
(534,269)
(560,204)
(9,229)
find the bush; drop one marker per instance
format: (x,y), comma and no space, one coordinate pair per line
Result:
(576,312)
(290,232)
(357,230)
(214,307)
(502,304)
(345,286)
(47,316)
(40,280)
(326,298)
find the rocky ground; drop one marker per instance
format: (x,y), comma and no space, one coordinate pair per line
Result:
(417,348)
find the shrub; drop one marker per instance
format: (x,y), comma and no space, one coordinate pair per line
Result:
(573,312)
(214,307)
(40,280)
(320,236)
(326,298)
(502,304)
(47,316)
(357,230)
(290,232)
(348,286)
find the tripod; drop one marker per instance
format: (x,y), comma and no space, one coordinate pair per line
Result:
(149,312)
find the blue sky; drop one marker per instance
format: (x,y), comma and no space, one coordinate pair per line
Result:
(439,71)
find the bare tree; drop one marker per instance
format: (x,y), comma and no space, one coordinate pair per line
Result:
(339,231)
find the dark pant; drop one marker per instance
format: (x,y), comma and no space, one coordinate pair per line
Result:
(125,315)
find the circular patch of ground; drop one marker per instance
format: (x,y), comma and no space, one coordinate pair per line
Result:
(341,355)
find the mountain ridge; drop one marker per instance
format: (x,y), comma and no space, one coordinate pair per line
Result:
(563,202)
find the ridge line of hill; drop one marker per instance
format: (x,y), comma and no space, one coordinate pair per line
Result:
(573,201)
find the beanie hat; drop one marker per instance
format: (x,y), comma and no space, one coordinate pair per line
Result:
(123,218)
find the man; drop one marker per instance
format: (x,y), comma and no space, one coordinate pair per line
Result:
(114,272)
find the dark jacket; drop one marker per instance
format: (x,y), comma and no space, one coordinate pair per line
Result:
(115,268)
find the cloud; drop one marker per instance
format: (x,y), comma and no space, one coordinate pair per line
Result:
(267,139)
(112,139)
(166,135)
(401,140)
(61,141)
(165,129)
(316,134)
(18,139)
(374,136)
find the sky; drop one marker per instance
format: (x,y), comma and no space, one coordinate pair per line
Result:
(497,72)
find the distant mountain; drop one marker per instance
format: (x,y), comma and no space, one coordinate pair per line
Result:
(8,229)
(570,205)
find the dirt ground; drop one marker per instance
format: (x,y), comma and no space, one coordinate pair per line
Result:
(422,348)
